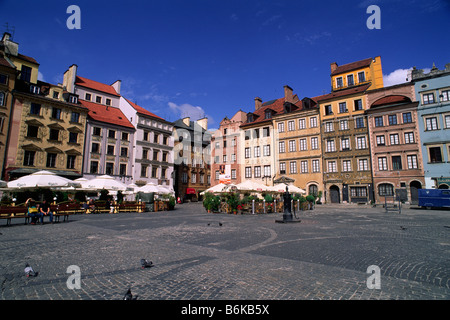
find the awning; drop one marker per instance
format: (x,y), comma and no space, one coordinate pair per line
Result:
(190,191)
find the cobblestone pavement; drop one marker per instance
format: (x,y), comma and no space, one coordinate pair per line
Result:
(204,256)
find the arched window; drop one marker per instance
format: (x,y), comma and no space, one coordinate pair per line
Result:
(313,190)
(385,189)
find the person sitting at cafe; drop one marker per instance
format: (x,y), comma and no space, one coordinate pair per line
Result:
(45,210)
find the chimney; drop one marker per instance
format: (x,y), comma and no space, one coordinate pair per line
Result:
(203,123)
(69,78)
(116,85)
(258,103)
(333,67)
(288,94)
(11,47)
(186,121)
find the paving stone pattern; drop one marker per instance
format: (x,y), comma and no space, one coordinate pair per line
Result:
(326,256)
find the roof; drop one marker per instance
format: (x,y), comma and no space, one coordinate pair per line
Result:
(27,58)
(352,66)
(390,100)
(107,114)
(343,92)
(95,85)
(142,110)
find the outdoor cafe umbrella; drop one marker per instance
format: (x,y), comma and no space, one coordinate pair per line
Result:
(148,188)
(281,187)
(104,182)
(42,179)
(220,188)
(249,185)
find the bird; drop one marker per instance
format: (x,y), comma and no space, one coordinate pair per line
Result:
(220,224)
(146,264)
(209,224)
(402,228)
(129,296)
(29,272)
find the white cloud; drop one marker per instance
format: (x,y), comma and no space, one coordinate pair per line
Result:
(187,110)
(40,76)
(396,77)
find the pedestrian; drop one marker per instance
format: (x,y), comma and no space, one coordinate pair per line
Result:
(45,210)
(33,211)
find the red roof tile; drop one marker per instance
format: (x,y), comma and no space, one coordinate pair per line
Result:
(343,92)
(352,66)
(392,99)
(91,84)
(107,114)
(27,58)
(142,110)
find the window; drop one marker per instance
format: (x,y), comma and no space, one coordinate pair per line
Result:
(109,168)
(51,160)
(431,124)
(94,167)
(412,161)
(56,113)
(123,152)
(98,99)
(266,132)
(248,172)
(71,161)
(282,167)
(266,150)
(75,117)
(165,140)
(155,138)
(292,146)
(35,109)
(343,125)
(233,173)
(32,131)
(124,136)
(110,150)
(256,133)
(281,147)
(380,141)
(281,127)
(302,123)
(73,99)
(267,114)
(123,169)
(447,121)
(332,166)
(54,134)
(145,154)
(428,98)
(342,107)
(361,76)
(359,122)
(155,155)
(184,177)
(445,95)
(313,122)
(28,159)
(435,154)
(358,104)
(112,134)
(378,121)
(328,110)
(73,137)
(3,79)
(257,172)
(394,138)
(233,157)
(146,136)
(358,191)
(315,166)
(87,97)
(108,101)
(346,165)
(314,143)
(267,171)
(25,73)
(2,98)
(350,81)
(345,144)
(224,158)
(331,147)
(96,131)
(293,167)
(396,163)
(363,164)
(303,145)
(95,148)
(407,118)
(193,176)
(361,143)
(304,166)
(328,126)
(339,83)
(386,189)
(409,137)
(247,153)
(392,119)
(291,125)
(382,163)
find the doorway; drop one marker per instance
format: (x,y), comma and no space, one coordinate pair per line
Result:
(334,194)
(414,187)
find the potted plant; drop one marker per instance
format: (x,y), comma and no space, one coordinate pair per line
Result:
(232,201)
(311,199)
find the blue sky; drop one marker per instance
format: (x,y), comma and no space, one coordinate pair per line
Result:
(212,58)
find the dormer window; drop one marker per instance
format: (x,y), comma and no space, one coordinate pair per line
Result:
(35,89)
(249,117)
(267,114)
(73,99)
(339,83)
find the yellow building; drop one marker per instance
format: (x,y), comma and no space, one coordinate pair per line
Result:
(299,153)
(48,123)
(347,172)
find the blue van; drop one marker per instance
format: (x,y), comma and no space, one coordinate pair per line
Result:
(434,198)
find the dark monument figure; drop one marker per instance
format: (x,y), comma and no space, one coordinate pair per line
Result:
(287,214)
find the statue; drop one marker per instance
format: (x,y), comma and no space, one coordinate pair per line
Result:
(287,215)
